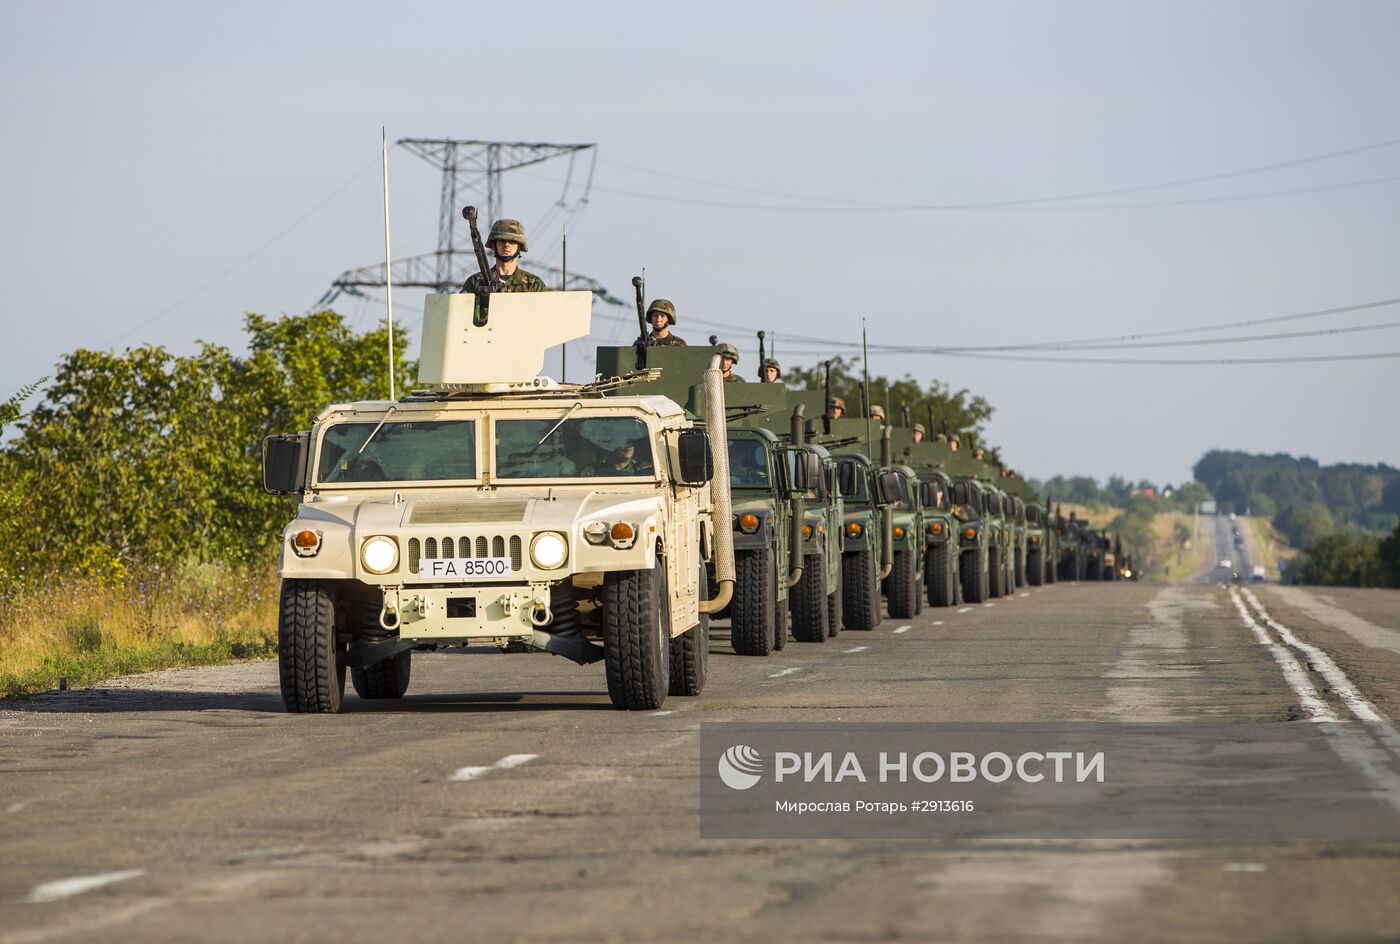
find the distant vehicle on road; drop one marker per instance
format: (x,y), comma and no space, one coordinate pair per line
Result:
(1232,516)
(1259,575)
(1227,563)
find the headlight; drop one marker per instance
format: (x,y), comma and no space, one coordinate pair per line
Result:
(549,550)
(379,554)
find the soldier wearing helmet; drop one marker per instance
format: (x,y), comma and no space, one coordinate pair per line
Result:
(953,442)
(918,434)
(507,242)
(771,370)
(836,407)
(728,357)
(877,412)
(661,314)
(979,453)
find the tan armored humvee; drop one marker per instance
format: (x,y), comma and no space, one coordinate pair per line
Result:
(497,506)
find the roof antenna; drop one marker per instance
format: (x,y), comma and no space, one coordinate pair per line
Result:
(388,258)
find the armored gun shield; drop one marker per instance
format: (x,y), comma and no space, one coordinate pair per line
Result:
(510,347)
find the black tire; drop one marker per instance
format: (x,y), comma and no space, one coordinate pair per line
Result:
(690,654)
(903,591)
(781,623)
(751,610)
(996,573)
(1020,566)
(387,679)
(1094,570)
(636,639)
(833,613)
(860,591)
(974,576)
(312,680)
(807,601)
(1035,567)
(939,571)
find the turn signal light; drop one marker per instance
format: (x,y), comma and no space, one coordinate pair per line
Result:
(936,527)
(748,522)
(806,530)
(970,533)
(622,531)
(898,532)
(853,529)
(306,539)
(1035,539)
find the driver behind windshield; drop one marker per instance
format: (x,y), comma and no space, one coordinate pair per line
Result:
(620,461)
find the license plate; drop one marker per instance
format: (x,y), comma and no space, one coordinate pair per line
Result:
(449,567)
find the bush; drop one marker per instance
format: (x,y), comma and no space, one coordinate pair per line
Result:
(1344,560)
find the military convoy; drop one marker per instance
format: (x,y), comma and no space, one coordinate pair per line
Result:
(612,521)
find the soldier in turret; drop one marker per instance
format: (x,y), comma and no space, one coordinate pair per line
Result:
(877,412)
(836,407)
(728,357)
(772,370)
(918,434)
(507,242)
(661,315)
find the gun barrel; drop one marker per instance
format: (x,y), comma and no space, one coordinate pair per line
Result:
(469,213)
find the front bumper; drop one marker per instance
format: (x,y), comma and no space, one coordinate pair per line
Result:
(471,612)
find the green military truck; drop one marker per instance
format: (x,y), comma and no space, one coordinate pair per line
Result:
(768,553)
(1042,545)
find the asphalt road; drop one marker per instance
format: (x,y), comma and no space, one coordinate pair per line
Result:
(504,800)
(1231,544)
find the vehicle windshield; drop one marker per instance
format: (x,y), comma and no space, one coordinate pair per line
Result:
(748,463)
(591,447)
(401,451)
(861,491)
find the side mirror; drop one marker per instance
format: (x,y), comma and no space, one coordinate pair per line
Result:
(695,464)
(284,463)
(846,481)
(892,488)
(805,470)
(928,494)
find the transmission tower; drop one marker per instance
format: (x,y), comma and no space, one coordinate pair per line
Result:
(469,168)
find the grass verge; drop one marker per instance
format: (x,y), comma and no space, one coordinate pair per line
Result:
(89,629)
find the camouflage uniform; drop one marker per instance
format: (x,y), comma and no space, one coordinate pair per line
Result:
(517,281)
(730,351)
(669,310)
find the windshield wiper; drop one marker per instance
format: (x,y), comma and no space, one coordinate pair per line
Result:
(375,431)
(577,405)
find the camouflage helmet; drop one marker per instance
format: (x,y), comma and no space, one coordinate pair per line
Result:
(877,412)
(728,350)
(509,230)
(664,306)
(836,403)
(919,428)
(773,363)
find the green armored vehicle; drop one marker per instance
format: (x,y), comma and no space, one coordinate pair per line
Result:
(768,482)
(930,461)
(1042,545)
(1073,548)
(494,505)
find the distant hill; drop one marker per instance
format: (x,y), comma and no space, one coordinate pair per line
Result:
(1305,498)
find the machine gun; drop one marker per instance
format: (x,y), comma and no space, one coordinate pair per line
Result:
(487,283)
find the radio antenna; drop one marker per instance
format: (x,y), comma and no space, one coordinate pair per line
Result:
(563,286)
(388,258)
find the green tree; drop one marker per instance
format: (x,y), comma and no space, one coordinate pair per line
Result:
(1344,559)
(1305,523)
(961,410)
(148,458)
(1389,558)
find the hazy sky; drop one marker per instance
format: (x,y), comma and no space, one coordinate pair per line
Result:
(151,147)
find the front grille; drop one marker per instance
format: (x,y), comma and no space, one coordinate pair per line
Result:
(465,546)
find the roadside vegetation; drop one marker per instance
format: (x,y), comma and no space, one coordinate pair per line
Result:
(137,534)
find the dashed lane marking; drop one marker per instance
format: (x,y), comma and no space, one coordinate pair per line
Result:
(989,604)
(662,714)
(966,609)
(937,622)
(902,629)
(857,649)
(1025,594)
(787,671)
(505,763)
(68,887)
(1246,867)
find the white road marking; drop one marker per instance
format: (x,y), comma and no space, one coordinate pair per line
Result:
(989,604)
(788,671)
(902,629)
(505,763)
(966,609)
(857,649)
(1322,662)
(1025,594)
(1246,867)
(68,887)
(1293,673)
(662,714)
(937,622)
